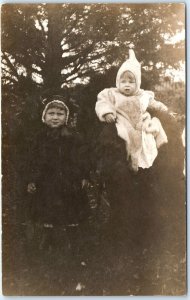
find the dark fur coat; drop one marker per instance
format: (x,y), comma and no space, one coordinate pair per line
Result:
(57,167)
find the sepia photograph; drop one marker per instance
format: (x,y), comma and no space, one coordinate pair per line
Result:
(93,100)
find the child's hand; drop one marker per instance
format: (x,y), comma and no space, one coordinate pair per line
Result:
(85,183)
(31,188)
(109,118)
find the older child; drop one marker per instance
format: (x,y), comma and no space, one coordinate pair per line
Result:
(57,172)
(126,106)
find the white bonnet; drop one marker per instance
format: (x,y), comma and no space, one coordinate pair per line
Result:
(132,65)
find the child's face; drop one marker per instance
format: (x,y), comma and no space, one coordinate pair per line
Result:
(127,84)
(55,117)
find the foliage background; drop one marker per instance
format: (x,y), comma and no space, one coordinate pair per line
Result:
(76,50)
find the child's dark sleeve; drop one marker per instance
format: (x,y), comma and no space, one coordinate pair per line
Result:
(173,152)
(33,161)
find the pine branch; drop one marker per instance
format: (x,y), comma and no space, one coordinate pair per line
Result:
(82,54)
(10,65)
(40,23)
(9,78)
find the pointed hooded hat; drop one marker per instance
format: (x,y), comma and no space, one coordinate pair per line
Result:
(132,65)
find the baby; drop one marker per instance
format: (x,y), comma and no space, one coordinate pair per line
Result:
(126,106)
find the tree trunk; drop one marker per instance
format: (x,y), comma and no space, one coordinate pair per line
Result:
(52,69)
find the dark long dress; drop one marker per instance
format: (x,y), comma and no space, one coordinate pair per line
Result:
(145,204)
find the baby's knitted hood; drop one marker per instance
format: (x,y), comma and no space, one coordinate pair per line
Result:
(132,65)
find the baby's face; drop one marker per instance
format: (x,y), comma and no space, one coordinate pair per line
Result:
(127,83)
(55,117)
